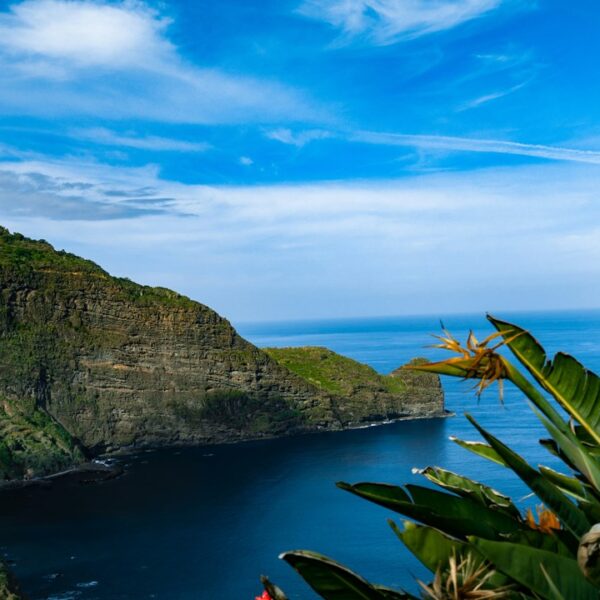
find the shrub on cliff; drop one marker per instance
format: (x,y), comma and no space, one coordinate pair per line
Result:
(475,541)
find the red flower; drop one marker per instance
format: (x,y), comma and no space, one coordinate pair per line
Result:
(265,596)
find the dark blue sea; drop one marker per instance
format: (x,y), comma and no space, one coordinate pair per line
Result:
(205,523)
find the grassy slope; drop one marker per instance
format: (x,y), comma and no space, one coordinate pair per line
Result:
(333,372)
(22,255)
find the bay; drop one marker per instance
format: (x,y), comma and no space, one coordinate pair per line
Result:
(197,523)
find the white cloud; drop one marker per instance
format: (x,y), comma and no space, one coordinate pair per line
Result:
(246,161)
(460,144)
(87,33)
(115,60)
(100,135)
(300,138)
(388,21)
(489,238)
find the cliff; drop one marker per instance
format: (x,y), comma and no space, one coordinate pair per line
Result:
(361,394)
(91,363)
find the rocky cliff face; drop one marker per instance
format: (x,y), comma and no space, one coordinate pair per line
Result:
(105,363)
(361,394)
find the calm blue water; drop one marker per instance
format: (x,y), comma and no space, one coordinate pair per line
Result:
(206,522)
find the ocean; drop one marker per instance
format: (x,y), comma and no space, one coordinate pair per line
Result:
(205,523)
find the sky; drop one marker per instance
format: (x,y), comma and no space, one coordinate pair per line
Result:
(281,159)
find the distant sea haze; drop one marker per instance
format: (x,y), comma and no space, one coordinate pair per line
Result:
(207,522)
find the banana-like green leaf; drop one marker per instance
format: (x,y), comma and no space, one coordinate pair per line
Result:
(390,594)
(432,547)
(553,448)
(571,486)
(577,454)
(333,581)
(570,515)
(483,450)
(591,508)
(464,507)
(523,564)
(456,516)
(551,542)
(463,486)
(556,593)
(384,494)
(458,527)
(573,386)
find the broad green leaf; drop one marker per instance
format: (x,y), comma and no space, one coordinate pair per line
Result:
(570,515)
(534,538)
(573,386)
(429,545)
(555,592)
(523,564)
(463,486)
(390,594)
(458,527)
(591,508)
(576,453)
(384,494)
(456,516)
(567,484)
(465,507)
(333,581)
(483,450)
(553,448)
(434,549)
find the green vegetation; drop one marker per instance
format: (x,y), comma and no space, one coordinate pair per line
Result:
(19,252)
(475,540)
(333,372)
(27,256)
(32,443)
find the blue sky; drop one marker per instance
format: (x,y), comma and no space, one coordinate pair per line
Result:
(311,158)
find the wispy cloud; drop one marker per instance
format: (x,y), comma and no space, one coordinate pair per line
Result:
(485,98)
(37,194)
(441,142)
(297,250)
(115,60)
(299,138)
(101,135)
(460,144)
(385,22)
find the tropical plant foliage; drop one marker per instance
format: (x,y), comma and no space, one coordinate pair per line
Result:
(475,541)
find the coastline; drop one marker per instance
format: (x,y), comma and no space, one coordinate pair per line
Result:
(104,467)
(96,471)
